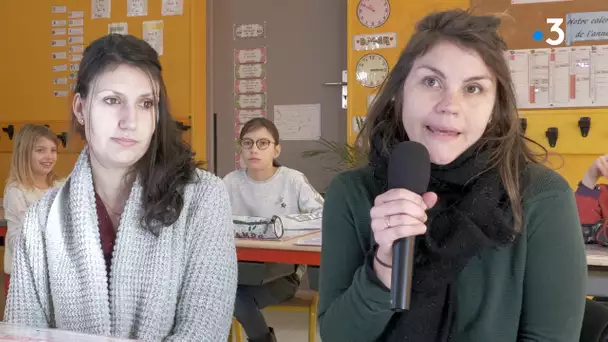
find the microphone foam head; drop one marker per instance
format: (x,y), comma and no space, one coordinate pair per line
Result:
(409,167)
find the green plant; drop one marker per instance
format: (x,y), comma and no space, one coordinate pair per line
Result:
(342,155)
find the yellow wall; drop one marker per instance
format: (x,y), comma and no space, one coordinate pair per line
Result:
(571,156)
(402,20)
(26,90)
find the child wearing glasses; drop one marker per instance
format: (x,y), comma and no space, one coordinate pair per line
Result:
(262,189)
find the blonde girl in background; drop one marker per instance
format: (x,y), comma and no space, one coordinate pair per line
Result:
(30,176)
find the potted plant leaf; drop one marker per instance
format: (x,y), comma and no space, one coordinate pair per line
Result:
(341,155)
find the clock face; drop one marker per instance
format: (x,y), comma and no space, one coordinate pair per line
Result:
(373,13)
(372,70)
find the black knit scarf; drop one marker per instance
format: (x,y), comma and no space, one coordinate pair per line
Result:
(472,213)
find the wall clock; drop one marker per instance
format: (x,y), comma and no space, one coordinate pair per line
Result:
(372,70)
(373,13)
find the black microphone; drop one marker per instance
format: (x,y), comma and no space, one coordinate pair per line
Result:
(409,167)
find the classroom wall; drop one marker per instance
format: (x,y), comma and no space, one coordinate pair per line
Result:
(402,20)
(26,90)
(572,155)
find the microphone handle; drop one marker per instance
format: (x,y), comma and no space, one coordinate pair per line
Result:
(402,270)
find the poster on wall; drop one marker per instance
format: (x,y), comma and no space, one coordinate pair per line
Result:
(560,77)
(59,52)
(253,55)
(586,26)
(153,35)
(245,71)
(245,31)
(172,7)
(137,8)
(298,122)
(365,42)
(248,101)
(250,86)
(101,9)
(58,9)
(118,28)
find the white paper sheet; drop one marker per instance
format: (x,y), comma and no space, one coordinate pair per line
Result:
(559,75)
(153,35)
(311,221)
(137,8)
(101,9)
(581,72)
(172,7)
(599,75)
(518,63)
(539,77)
(298,122)
(118,28)
(58,9)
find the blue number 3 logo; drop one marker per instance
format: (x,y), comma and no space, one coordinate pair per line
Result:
(557,22)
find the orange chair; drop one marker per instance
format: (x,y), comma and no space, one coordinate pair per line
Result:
(304,301)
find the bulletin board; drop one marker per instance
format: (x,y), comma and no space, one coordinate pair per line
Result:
(521,20)
(571,152)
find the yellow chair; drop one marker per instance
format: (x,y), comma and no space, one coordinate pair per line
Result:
(304,301)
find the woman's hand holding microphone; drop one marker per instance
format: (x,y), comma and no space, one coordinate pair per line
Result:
(396,214)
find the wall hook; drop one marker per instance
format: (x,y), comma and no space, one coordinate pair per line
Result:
(63,137)
(524,124)
(552,135)
(584,124)
(9,130)
(181,126)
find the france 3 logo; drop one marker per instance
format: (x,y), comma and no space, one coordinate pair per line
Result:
(556,27)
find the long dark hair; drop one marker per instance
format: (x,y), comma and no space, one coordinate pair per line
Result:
(257,123)
(168,164)
(504,135)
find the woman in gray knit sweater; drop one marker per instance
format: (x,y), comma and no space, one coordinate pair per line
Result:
(138,242)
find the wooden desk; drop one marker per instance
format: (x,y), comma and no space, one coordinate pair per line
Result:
(279,251)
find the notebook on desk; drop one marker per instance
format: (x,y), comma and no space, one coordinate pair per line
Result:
(310,221)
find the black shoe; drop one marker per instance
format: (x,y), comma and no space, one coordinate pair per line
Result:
(267,338)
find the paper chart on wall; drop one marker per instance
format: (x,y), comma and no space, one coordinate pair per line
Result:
(250,86)
(247,101)
(298,122)
(247,56)
(137,8)
(244,31)
(101,9)
(58,9)
(245,71)
(118,28)
(599,75)
(153,34)
(560,77)
(172,7)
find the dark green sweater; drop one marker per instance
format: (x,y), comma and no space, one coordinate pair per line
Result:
(533,290)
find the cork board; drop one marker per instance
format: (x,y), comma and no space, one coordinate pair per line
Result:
(520,21)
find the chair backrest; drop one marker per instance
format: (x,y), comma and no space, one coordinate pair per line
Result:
(595,322)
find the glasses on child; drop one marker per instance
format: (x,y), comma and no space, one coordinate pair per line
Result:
(262,144)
